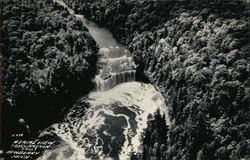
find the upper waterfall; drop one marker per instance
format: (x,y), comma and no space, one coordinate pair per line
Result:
(116,64)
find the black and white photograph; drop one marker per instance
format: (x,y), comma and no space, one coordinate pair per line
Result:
(124,80)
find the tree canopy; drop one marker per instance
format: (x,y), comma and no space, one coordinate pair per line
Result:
(48,60)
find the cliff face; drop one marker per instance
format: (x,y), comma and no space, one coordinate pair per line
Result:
(197,53)
(48,60)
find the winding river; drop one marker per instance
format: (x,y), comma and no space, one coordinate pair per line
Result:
(112,126)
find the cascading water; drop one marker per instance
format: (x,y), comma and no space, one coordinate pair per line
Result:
(117,112)
(114,71)
(114,79)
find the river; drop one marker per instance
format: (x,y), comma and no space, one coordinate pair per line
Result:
(112,125)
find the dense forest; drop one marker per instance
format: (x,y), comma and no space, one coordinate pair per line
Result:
(197,53)
(48,60)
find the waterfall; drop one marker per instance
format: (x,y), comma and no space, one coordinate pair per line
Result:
(112,125)
(113,80)
(114,71)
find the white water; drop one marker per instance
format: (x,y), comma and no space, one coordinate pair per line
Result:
(111,127)
(89,135)
(114,79)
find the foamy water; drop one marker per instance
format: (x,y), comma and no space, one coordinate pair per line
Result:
(111,128)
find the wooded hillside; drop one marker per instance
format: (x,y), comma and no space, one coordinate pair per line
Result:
(48,59)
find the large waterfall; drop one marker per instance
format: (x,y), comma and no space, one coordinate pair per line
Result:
(109,122)
(114,70)
(114,79)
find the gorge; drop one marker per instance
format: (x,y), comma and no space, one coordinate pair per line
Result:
(197,54)
(119,108)
(126,79)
